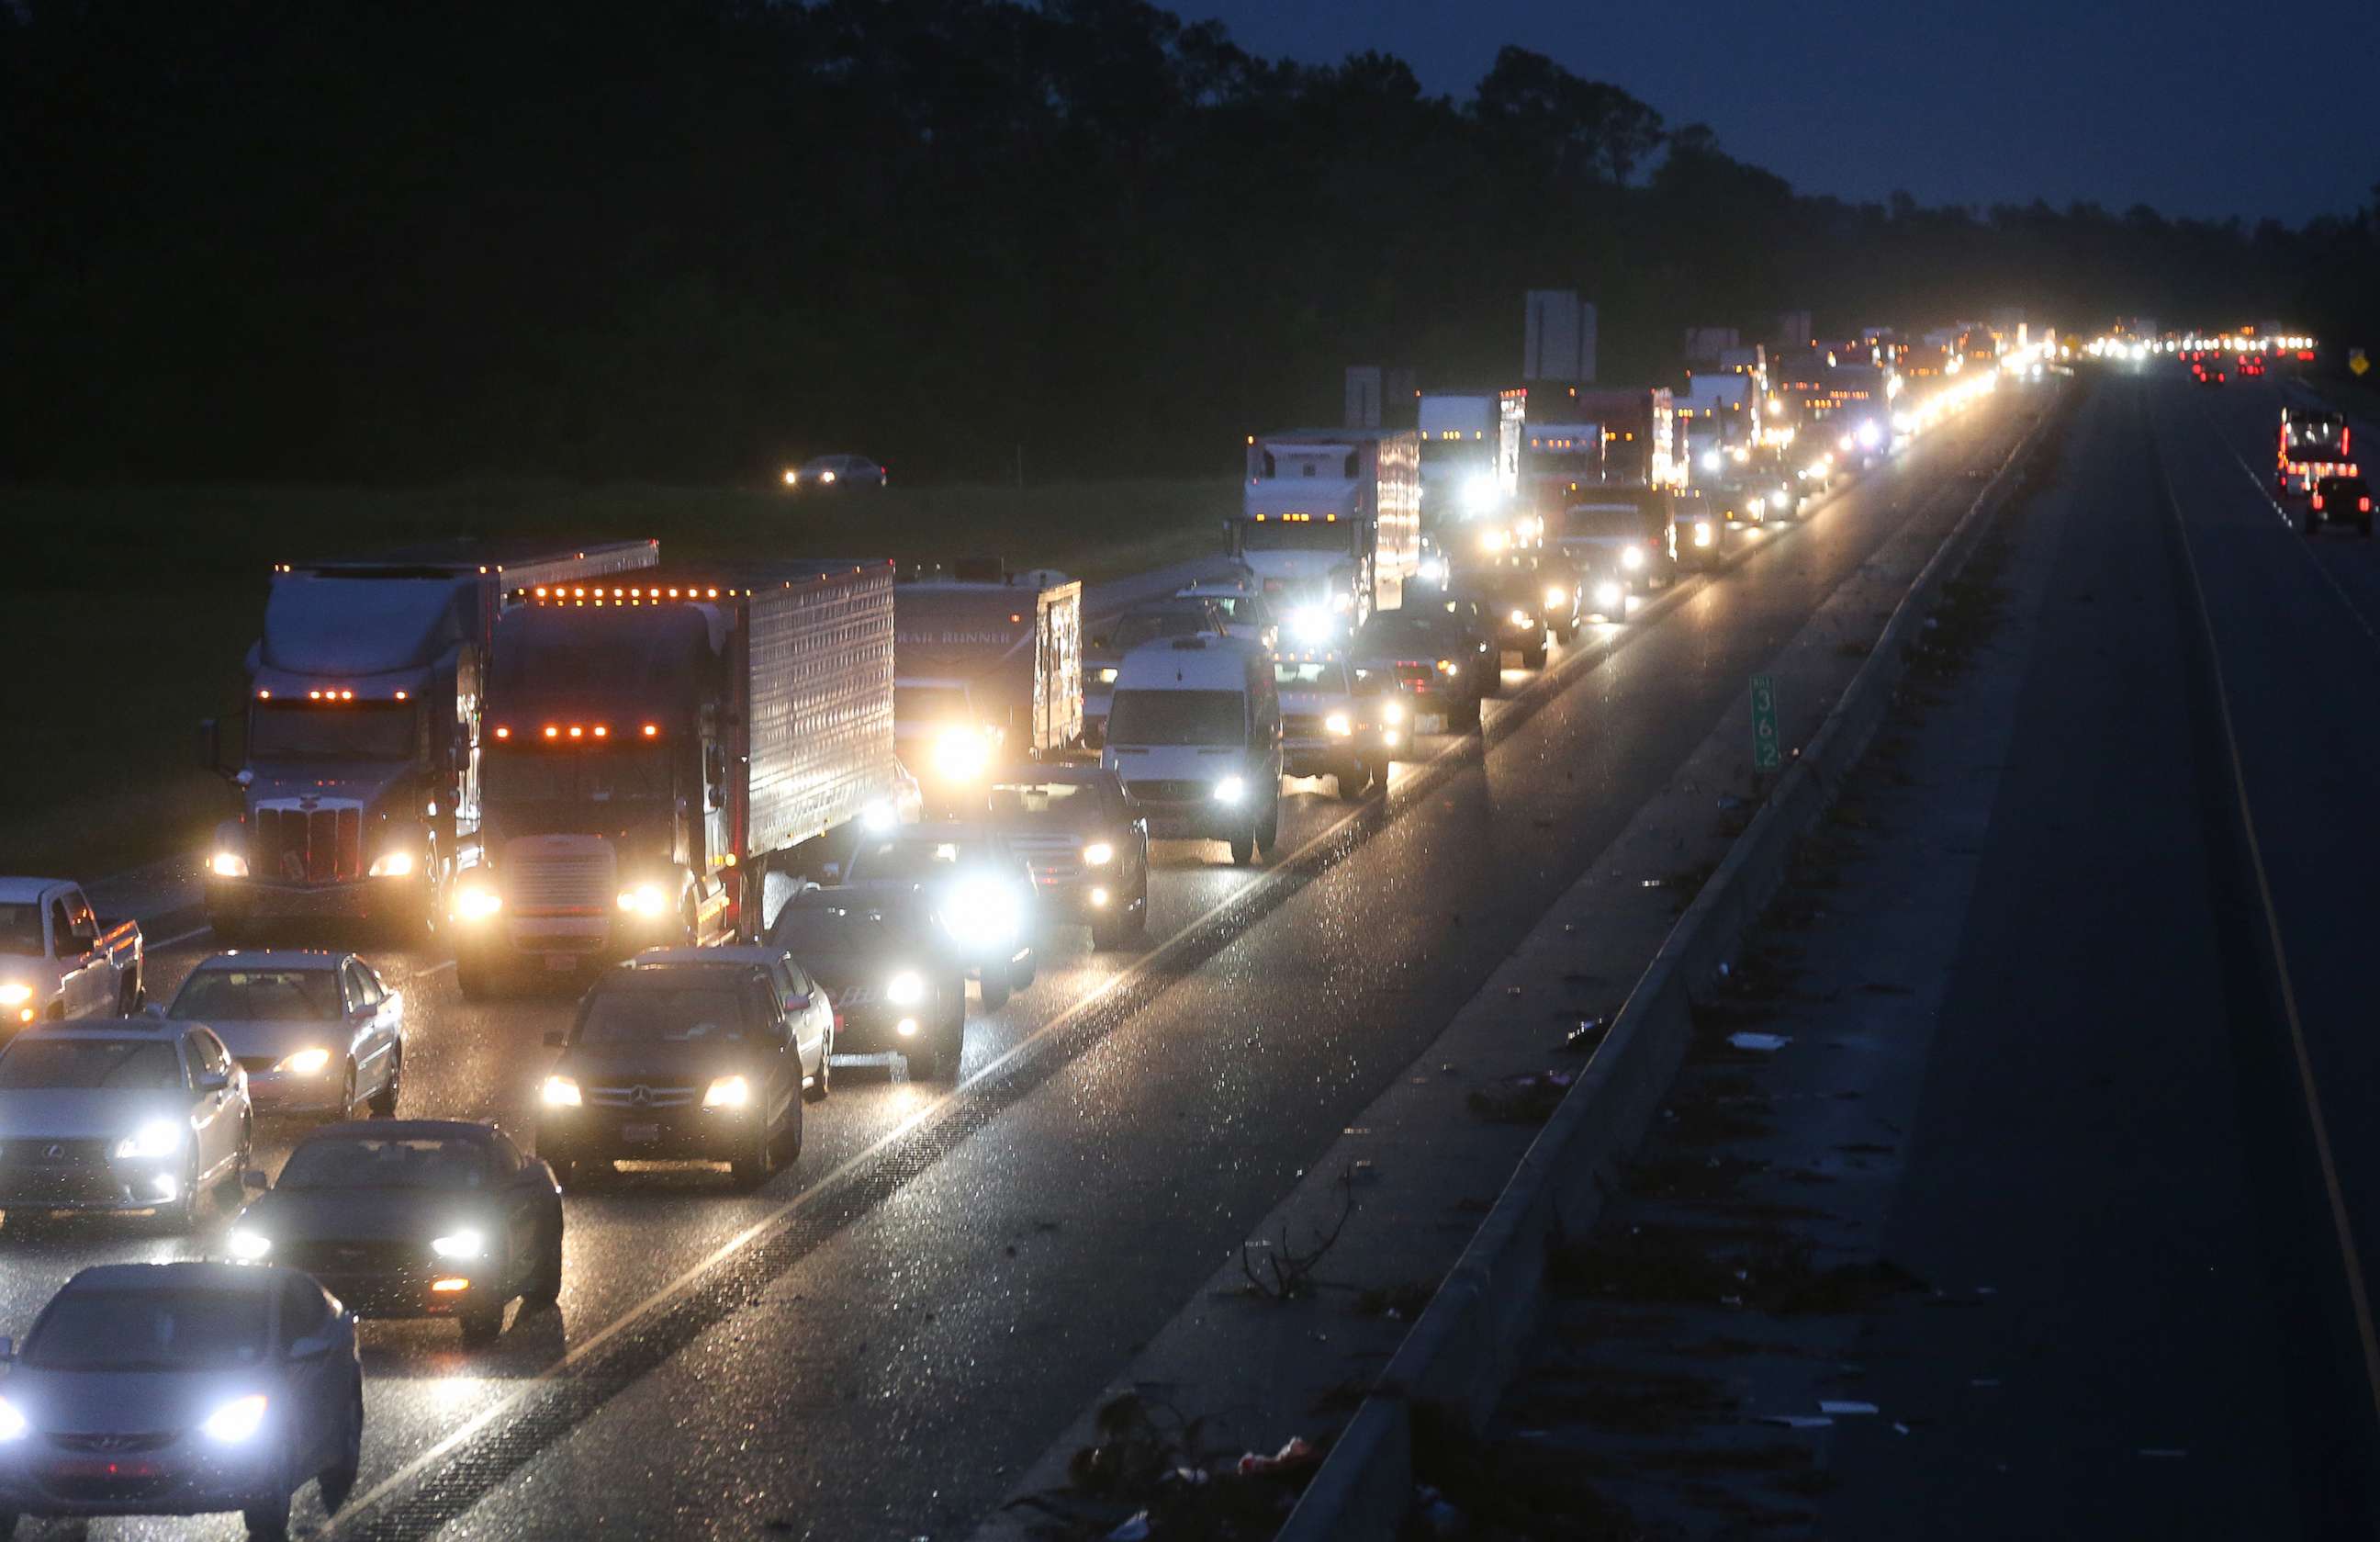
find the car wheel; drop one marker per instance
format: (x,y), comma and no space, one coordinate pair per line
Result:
(181,1218)
(1534,658)
(752,1169)
(130,995)
(482,1326)
(789,1139)
(1268,832)
(822,1084)
(346,1095)
(336,1482)
(1243,848)
(993,988)
(474,978)
(1378,773)
(237,1178)
(544,1287)
(383,1102)
(267,1519)
(1352,781)
(1022,975)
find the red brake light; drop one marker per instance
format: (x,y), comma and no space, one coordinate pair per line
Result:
(2317,500)
(2363,505)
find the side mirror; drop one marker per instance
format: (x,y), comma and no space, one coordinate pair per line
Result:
(798,1003)
(313,1346)
(256,1178)
(213,1081)
(556,1038)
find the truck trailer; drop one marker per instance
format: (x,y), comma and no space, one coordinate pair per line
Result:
(360,784)
(984,671)
(1330,523)
(658,747)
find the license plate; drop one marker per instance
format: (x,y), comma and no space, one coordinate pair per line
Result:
(562,964)
(640,1135)
(1429,723)
(100,1467)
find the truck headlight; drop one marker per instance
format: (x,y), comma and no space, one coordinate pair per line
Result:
(983,914)
(960,754)
(645,899)
(246,1245)
(1231,789)
(1631,557)
(227,864)
(236,1421)
(476,903)
(1448,668)
(395,863)
(1555,597)
(1607,596)
(1310,624)
(159,1137)
(1519,618)
(559,1092)
(15,993)
(1703,535)
(305,1062)
(1098,854)
(1392,712)
(1338,724)
(466,1243)
(1481,492)
(905,988)
(1107,676)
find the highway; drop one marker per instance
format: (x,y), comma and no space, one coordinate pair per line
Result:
(865,1347)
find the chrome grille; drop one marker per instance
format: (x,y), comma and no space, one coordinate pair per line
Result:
(627,1097)
(294,845)
(559,875)
(1165,791)
(1301,725)
(115,1445)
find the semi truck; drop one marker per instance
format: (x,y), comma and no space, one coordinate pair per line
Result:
(358,779)
(984,670)
(1639,435)
(658,747)
(1330,523)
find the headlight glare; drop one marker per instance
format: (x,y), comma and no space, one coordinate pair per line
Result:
(1337,723)
(228,864)
(15,993)
(905,988)
(1098,854)
(1231,789)
(248,1245)
(960,754)
(476,903)
(1392,712)
(393,864)
(727,1092)
(12,1424)
(305,1062)
(1631,557)
(235,1420)
(159,1137)
(1555,597)
(467,1243)
(645,899)
(559,1092)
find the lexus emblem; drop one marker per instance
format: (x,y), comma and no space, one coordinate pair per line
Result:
(641,1096)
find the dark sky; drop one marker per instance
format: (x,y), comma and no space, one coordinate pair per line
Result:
(2184,105)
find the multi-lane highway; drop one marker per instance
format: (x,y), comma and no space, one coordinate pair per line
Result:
(867,1345)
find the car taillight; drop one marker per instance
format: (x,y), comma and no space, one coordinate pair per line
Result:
(2317,500)
(2363,505)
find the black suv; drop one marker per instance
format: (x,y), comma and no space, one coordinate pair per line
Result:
(2340,501)
(674,1062)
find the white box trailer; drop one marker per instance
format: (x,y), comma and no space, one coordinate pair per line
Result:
(983,670)
(1331,517)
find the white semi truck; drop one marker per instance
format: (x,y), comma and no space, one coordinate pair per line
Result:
(1330,525)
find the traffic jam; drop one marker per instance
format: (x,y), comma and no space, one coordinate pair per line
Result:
(755,827)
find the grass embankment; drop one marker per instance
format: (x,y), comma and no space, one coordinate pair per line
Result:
(129,611)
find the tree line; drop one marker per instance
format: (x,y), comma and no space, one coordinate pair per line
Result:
(685,240)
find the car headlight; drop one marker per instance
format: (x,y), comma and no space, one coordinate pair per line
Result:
(559,1092)
(1482,491)
(468,1242)
(159,1137)
(237,1420)
(645,899)
(1231,789)
(1632,557)
(1519,618)
(1555,597)
(305,1062)
(476,903)
(393,864)
(1098,854)
(227,864)
(1337,723)
(1870,435)
(1608,595)
(1107,677)
(248,1245)
(983,913)
(1703,535)
(15,993)
(1449,667)
(12,1424)
(827,478)
(905,988)
(1392,712)
(1310,624)
(960,754)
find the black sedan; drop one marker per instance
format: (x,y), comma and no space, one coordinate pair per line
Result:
(894,986)
(415,1217)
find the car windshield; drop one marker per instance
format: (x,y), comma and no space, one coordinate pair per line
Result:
(1327,674)
(666,1014)
(913,861)
(258,995)
(1178,718)
(351,731)
(578,773)
(371,1162)
(1150,625)
(1296,535)
(21,929)
(1604,522)
(1404,634)
(89,1064)
(1063,805)
(151,1330)
(812,933)
(927,703)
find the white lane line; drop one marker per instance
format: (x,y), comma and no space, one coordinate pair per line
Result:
(2350,1260)
(176,942)
(1278,873)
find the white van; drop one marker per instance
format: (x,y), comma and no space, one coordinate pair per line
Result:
(1194,730)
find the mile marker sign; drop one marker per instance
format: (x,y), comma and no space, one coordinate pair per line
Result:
(1765,753)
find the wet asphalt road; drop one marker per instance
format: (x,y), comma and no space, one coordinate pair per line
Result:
(865,1347)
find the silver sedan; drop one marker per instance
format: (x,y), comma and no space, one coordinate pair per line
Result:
(318,1033)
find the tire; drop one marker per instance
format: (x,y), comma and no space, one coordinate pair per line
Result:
(544,1287)
(1352,782)
(474,979)
(1471,719)
(565,1173)
(336,1482)
(1268,833)
(789,1139)
(237,1179)
(346,1096)
(181,1218)
(939,1061)
(267,1521)
(482,1326)
(1534,658)
(1023,976)
(129,996)
(1378,773)
(993,988)
(383,1102)
(753,1169)
(823,1083)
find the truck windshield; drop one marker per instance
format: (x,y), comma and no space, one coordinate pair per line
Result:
(351,731)
(1148,625)
(21,929)
(577,774)
(1296,535)
(1178,718)
(1447,452)
(1604,524)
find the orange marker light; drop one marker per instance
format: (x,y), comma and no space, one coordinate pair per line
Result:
(503,733)
(601,732)
(576,732)
(651,731)
(552,731)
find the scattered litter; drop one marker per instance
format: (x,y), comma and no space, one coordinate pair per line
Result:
(1527,1099)
(1899,1428)
(1797,1421)
(2171,1454)
(1290,1458)
(1511,991)
(1134,1530)
(1585,1035)
(1829,1405)
(1728,800)
(1766,1043)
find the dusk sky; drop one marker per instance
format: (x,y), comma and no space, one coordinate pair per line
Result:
(2177,104)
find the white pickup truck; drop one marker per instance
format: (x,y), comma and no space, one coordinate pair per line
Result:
(59,960)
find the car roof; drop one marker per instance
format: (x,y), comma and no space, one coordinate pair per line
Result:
(274,958)
(181,1275)
(403,1129)
(142,1026)
(25,891)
